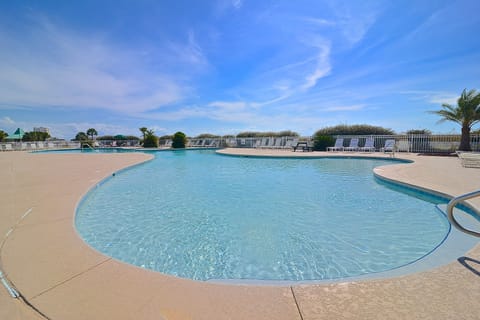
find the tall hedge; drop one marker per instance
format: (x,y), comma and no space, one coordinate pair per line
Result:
(256,134)
(357,129)
(179,140)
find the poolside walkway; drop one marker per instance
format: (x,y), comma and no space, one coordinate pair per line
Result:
(61,276)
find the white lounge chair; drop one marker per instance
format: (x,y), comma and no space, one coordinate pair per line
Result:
(338,145)
(469,159)
(353,145)
(279,143)
(290,143)
(8,147)
(264,143)
(369,145)
(231,142)
(270,143)
(389,146)
(211,144)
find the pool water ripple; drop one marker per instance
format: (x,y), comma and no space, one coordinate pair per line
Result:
(200,215)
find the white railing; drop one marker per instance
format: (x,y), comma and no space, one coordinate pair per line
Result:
(451,216)
(418,143)
(118,143)
(37,145)
(285,142)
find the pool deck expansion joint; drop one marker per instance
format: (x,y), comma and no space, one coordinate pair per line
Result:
(296,303)
(71,278)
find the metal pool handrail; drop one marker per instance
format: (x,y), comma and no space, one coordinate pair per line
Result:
(451,217)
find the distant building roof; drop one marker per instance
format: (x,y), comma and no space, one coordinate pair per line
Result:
(17,135)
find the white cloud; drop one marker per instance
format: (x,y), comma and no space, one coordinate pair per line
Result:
(355,107)
(237,4)
(51,66)
(433,97)
(232,106)
(354,19)
(319,22)
(7,121)
(322,67)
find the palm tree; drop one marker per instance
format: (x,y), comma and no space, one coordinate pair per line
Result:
(92,132)
(144,131)
(466,113)
(151,140)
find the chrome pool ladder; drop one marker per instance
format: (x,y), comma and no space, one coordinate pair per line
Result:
(451,217)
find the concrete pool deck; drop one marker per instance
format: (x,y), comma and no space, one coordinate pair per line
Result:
(61,276)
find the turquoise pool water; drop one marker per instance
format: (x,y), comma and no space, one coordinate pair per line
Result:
(199,215)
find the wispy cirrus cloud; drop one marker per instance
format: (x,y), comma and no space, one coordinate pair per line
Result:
(355,19)
(355,107)
(237,4)
(432,97)
(7,121)
(322,67)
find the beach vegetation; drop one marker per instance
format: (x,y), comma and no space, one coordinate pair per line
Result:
(35,136)
(151,140)
(466,113)
(419,131)
(81,136)
(356,129)
(256,134)
(207,136)
(143,130)
(3,135)
(91,133)
(179,140)
(322,142)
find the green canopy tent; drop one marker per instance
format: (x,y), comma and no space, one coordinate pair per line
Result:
(16,136)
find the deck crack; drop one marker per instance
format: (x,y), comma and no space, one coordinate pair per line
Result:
(296,303)
(71,278)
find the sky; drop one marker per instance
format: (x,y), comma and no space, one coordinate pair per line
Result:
(224,67)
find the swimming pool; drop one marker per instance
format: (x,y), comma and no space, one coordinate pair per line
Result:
(203,216)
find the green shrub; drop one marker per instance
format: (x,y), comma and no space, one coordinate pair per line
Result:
(86,144)
(151,140)
(179,140)
(207,136)
(358,129)
(322,142)
(419,131)
(35,136)
(255,134)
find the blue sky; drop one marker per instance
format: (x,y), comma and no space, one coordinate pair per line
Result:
(229,66)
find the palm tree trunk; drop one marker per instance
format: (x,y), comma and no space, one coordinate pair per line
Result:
(465,140)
